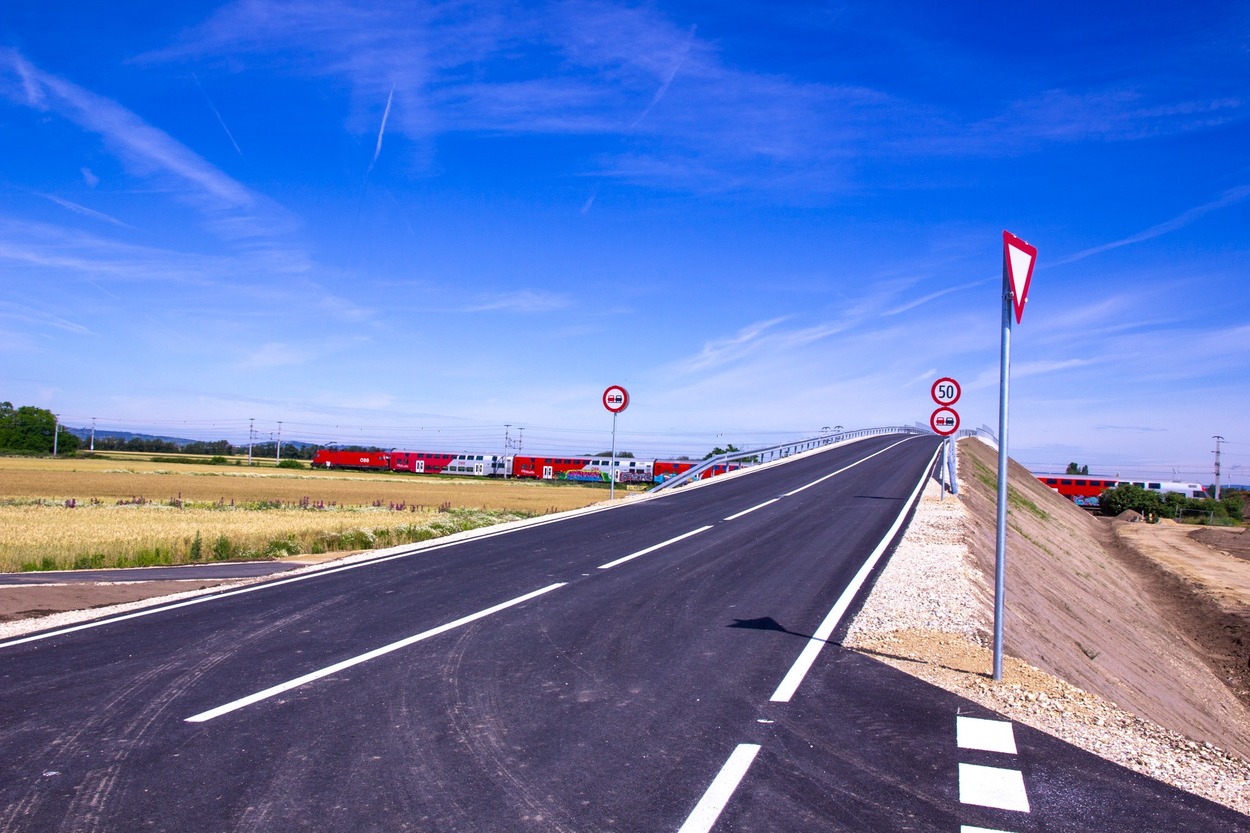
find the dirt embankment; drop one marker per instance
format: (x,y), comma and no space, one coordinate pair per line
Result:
(1129,640)
(1088,602)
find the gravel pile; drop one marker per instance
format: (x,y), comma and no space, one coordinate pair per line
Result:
(932,611)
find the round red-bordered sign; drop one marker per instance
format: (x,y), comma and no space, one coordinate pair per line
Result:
(616,399)
(944,421)
(945,391)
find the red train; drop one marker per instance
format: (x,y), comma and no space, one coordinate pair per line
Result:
(581,469)
(1084,490)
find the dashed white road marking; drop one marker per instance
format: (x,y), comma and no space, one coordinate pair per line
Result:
(967,828)
(986,735)
(365,657)
(752,509)
(653,548)
(990,786)
(844,468)
(709,808)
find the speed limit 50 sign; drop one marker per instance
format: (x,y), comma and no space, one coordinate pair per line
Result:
(946,391)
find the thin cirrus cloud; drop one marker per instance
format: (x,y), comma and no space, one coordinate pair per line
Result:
(563,69)
(759,341)
(524,300)
(230,209)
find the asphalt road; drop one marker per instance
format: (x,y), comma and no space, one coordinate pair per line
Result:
(661,666)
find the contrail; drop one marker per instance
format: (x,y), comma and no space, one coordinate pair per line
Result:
(681,59)
(1230,197)
(386,114)
(87,212)
(220,120)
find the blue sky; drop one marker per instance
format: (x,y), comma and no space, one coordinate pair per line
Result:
(412,223)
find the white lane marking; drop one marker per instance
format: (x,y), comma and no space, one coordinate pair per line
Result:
(986,735)
(365,657)
(149,611)
(709,808)
(790,683)
(967,828)
(844,468)
(990,786)
(653,548)
(752,509)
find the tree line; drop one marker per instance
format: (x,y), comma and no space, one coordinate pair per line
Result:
(31,430)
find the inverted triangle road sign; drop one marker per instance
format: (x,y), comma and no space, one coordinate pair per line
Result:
(1018,260)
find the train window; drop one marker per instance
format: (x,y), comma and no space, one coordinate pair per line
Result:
(1066,482)
(1155,486)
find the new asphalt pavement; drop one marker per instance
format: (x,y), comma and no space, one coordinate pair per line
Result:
(664,665)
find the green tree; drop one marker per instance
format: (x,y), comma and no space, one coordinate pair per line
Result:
(1073,468)
(1128,496)
(716,452)
(31,429)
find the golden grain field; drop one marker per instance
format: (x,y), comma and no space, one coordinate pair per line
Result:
(100,513)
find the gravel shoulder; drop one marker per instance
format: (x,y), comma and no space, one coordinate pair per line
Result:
(1096,651)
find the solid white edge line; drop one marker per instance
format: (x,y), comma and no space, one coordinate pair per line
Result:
(844,468)
(709,808)
(752,509)
(365,657)
(653,548)
(790,683)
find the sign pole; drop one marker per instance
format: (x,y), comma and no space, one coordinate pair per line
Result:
(615,399)
(1018,260)
(612,465)
(1000,545)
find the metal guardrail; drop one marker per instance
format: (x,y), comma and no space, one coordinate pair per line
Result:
(776,452)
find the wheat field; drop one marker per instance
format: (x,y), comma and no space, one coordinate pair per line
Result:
(66,513)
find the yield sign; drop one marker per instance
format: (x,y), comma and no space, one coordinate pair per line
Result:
(1018,260)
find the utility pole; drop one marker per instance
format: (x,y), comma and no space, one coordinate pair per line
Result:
(506,442)
(1218,439)
(56,429)
(92,434)
(278,454)
(251,433)
(520,443)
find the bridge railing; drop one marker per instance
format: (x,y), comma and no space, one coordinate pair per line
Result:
(776,452)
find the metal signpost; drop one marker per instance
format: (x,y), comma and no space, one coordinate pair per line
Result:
(945,421)
(615,399)
(1018,260)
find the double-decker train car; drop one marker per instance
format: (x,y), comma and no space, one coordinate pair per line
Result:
(1084,490)
(579,469)
(666,469)
(416,462)
(420,462)
(626,470)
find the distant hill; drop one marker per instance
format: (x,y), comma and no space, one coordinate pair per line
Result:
(84,434)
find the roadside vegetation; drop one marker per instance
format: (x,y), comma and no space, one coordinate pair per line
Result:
(95,513)
(1229,510)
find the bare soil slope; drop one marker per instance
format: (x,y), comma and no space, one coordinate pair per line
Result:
(1087,608)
